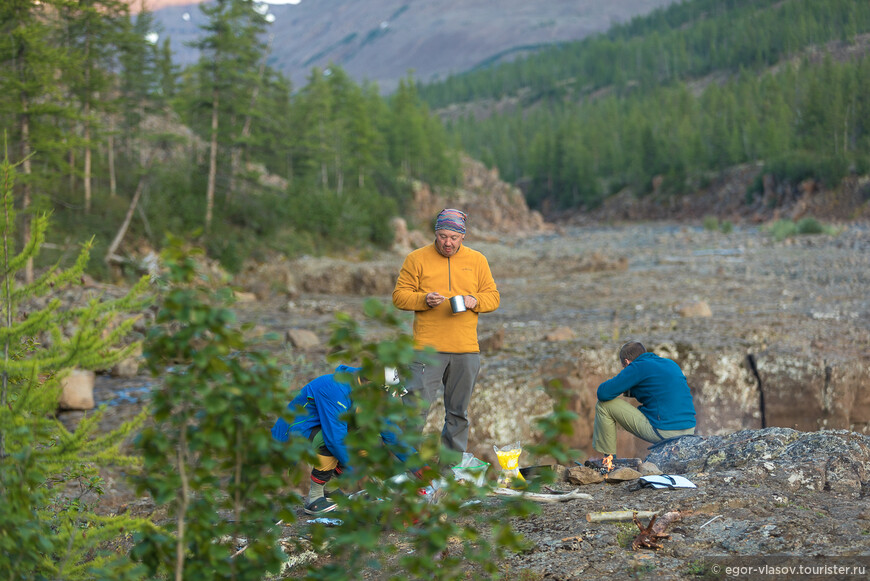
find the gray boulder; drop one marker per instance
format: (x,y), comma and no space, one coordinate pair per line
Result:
(828,460)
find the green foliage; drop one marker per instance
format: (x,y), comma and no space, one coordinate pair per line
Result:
(208,453)
(359,541)
(712,224)
(46,531)
(783,228)
(796,167)
(810,225)
(687,39)
(336,221)
(702,569)
(625,534)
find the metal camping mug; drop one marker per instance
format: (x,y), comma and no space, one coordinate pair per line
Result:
(457,303)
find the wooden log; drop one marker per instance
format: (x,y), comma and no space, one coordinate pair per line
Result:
(619,515)
(539,497)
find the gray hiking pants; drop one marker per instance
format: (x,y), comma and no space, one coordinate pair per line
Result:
(455,374)
(619,412)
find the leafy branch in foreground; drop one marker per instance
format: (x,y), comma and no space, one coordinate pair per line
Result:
(371,529)
(45,531)
(209,457)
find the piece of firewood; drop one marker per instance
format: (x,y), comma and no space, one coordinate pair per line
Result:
(536,496)
(667,518)
(619,515)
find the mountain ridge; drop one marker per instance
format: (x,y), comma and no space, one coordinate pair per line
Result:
(383,40)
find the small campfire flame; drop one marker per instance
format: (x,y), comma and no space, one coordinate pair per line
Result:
(607,462)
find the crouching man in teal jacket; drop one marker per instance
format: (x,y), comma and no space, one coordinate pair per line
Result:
(666,408)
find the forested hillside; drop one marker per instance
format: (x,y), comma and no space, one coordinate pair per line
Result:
(673,99)
(118,143)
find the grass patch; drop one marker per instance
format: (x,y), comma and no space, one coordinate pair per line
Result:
(702,569)
(625,534)
(712,224)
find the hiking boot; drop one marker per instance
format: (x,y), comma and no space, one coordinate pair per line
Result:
(320,506)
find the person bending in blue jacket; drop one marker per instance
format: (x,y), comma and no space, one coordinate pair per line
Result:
(316,414)
(666,408)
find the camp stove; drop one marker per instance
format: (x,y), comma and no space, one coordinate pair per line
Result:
(599,464)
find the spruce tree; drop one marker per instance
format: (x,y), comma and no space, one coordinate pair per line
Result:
(31,98)
(231,52)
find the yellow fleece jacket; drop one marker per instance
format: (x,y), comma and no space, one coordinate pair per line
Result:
(467,272)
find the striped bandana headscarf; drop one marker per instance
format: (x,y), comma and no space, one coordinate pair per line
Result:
(450,219)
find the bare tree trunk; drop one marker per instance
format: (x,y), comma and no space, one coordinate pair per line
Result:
(339,174)
(7,294)
(28,170)
(122,231)
(87,115)
(246,128)
(72,169)
(182,508)
(113,181)
(87,169)
(324,169)
(212,163)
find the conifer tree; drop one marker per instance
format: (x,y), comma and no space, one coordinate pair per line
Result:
(314,115)
(30,96)
(91,34)
(140,78)
(408,146)
(231,51)
(45,533)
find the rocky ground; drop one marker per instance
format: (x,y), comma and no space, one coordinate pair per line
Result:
(743,513)
(570,297)
(798,309)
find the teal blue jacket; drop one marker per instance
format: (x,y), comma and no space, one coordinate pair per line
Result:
(660,387)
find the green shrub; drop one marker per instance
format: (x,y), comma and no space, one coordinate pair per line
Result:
(338,222)
(782,229)
(809,226)
(796,167)
(702,569)
(625,534)
(711,223)
(210,454)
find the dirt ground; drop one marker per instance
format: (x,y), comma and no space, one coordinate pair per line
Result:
(800,291)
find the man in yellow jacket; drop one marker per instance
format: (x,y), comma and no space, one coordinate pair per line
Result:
(432,278)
